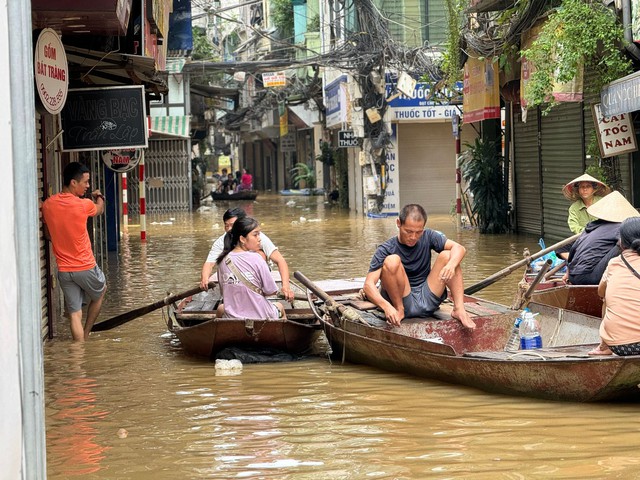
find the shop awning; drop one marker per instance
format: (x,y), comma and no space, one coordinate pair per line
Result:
(97,69)
(173,125)
(175,65)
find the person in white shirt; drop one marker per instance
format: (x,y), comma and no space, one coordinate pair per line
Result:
(268,251)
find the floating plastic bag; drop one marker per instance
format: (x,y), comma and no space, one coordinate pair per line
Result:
(537,264)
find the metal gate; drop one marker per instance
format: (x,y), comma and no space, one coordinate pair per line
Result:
(527,173)
(167,168)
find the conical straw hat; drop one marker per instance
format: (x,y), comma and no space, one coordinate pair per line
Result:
(613,208)
(571,191)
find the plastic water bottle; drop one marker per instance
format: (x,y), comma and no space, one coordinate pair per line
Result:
(514,339)
(530,332)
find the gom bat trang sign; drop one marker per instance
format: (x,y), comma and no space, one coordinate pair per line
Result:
(51,71)
(121,161)
(104,118)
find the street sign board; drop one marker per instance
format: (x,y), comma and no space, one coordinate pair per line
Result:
(347,139)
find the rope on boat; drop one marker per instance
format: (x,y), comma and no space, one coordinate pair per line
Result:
(527,352)
(351,314)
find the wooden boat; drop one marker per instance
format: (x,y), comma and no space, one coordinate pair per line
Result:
(305,192)
(556,293)
(440,348)
(241,195)
(200,333)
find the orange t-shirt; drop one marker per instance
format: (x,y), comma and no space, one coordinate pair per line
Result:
(66,217)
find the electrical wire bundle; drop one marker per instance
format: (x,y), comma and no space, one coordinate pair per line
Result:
(491,36)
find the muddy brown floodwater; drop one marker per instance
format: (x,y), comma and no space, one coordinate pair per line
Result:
(129,404)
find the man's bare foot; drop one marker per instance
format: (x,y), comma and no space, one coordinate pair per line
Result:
(600,350)
(463,317)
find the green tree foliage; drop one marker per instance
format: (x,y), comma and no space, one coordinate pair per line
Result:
(578,33)
(484,173)
(451,67)
(202,47)
(282,17)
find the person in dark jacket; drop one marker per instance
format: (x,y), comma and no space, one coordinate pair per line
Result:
(598,243)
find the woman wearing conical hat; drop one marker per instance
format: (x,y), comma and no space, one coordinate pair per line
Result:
(598,243)
(584,191)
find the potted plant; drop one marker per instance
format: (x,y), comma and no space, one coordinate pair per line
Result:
(303,176)
(483,170)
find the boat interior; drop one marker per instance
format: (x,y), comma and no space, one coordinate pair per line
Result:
(565,333)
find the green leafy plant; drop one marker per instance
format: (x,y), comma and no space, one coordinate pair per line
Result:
(202,47)
(303,176)
(451,64)
(327,154)
(483,170)
(314,24)
(597,171)
(282,17)
(580,33)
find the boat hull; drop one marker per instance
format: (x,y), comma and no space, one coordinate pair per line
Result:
(441,349)
(241,195)
(577,298)
(194,323)
(211,336)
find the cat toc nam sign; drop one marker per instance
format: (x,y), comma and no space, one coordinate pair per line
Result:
(615,133)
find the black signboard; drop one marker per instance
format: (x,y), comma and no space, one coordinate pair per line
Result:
(104,118)
(347,139)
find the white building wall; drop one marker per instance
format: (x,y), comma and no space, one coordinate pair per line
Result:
(11,417)
(22,439)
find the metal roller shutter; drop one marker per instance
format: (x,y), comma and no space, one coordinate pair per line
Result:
(426,153)
(527,174)
(562,156)
(44,253)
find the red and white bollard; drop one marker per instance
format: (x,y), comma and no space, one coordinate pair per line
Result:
(125,204)
(143,206)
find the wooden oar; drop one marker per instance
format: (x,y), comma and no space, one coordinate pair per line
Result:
(532,287)
(138,312)
(347,312)
(555,269)
(525,261)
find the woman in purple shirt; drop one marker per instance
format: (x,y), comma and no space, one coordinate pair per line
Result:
(244,276)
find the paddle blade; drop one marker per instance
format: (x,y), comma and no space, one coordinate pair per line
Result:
(138,312)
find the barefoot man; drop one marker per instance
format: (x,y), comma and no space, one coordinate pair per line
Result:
(410,286)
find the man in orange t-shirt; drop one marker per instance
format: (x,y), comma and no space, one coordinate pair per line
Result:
(65,217)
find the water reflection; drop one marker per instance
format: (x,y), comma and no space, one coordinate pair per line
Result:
(303,420)
(73,415)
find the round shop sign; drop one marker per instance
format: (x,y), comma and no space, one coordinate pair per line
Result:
(51,71)
(121,160)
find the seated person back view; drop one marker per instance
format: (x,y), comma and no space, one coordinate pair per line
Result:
(245,279)
(410,286)
(598,243)
(267,249)
(620,288)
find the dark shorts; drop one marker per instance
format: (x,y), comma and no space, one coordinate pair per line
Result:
(421,302)
(78,286)
(625,350)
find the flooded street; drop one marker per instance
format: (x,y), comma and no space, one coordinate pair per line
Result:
(129,404)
